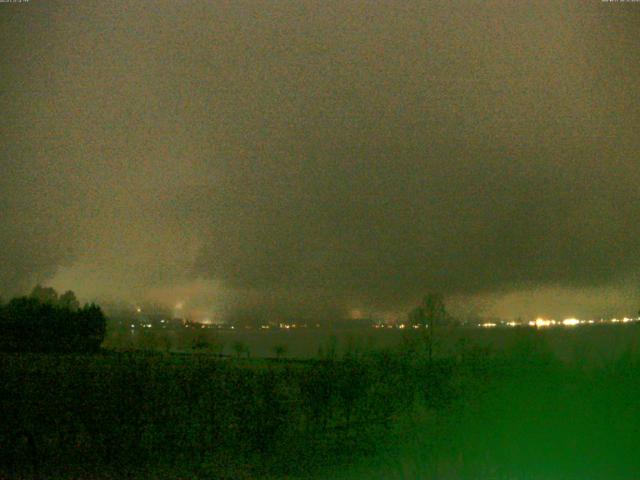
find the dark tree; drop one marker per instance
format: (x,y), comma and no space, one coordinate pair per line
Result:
(35,324)
(44,294)
(434,309)
(430,314)
(417,316)
(279,350)
(92,327)
(68,300)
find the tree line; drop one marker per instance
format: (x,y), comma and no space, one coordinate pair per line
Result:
(47,322)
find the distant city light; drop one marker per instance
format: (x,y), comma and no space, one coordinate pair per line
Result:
(570,322)
(541,322)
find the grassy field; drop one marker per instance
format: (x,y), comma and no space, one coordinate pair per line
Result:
(516,404)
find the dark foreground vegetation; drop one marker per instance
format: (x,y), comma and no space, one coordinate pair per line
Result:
(46,322)
(195,415)
(519,413)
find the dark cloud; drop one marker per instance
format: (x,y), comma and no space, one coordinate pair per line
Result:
(321,156)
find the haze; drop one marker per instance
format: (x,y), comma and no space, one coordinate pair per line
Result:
(316,158)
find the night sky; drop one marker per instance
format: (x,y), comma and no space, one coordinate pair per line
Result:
(317,158)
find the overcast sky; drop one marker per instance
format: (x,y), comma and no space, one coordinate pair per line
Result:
(275,158)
